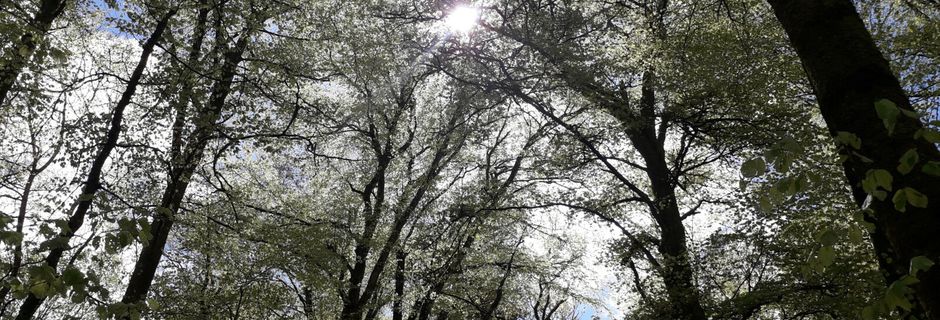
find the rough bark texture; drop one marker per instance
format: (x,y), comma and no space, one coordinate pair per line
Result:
(149,259)
(93,182)
(15,59)
(849,74)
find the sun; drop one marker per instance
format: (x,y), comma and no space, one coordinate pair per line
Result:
(462,19)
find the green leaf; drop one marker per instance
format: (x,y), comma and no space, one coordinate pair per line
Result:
(920,263)
(915,198)
(764,204)
(910,113)
(931,135)
(828,237)
(899,200)
(58,55)
(152,304)
(849,139)
(888,112)
(875,179)
(907,161)
(895,296)
(11,237)
(24,51)
(753,167)
(40,290)
(72,276)
(63,225)
(78,297)
(931,168)
(883,179)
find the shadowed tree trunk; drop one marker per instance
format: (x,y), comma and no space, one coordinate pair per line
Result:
(149,259)
(93,182)
(397,311)
(849,74)
(16,57)
(640,125)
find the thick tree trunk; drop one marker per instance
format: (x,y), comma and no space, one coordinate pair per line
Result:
(149,259)
(93,182)
(849,75)
(18,55)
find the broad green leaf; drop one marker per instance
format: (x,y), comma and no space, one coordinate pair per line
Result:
(152,304)
(72,276)
(899,200)
(764,203)
(849,139)
(828,237)
(910,113)
(931,168)
(908,161)
(11,237)
(40,289)
(915,198)
(888,112)
(920,263)
(753,168)
(895,295)
(931,135)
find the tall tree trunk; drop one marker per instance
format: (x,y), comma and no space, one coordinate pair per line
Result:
(397,311)
(149,258)
(93,182)
(677,273)
(849,74)
(18,55)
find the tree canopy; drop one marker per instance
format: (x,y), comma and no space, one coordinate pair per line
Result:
(514,159)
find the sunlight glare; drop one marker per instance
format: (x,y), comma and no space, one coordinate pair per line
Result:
(463,19)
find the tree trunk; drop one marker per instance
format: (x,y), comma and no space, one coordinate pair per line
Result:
(849,74)
(16,58)
(149,259)
(677,273)
(93,182)
(397,312)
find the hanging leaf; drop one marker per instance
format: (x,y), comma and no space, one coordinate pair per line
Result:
(888,112)
(753,168)
(908,161)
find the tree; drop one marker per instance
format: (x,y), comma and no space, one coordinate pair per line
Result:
(42,285)
(16,57)
(850,76)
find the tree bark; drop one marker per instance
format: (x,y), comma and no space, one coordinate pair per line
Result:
(149,258)
(16,58)
(849,74)
(397,311)
(677,273)
(93,182)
